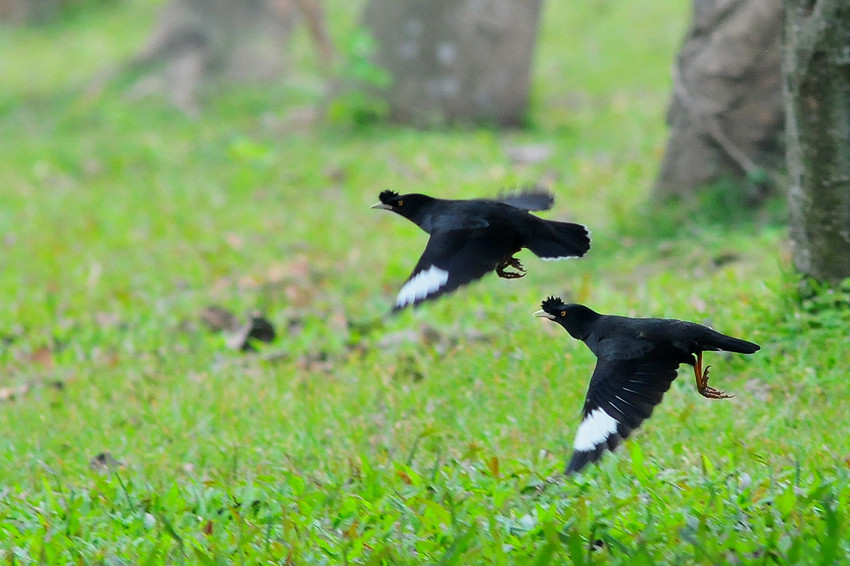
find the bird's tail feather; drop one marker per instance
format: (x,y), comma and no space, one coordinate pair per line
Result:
(729,344)
(559,240)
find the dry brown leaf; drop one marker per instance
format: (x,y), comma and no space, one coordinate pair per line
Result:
(43,356)
(104,462)
(493,466)
(217,318)
(530,154)
(257,328)
(12,393)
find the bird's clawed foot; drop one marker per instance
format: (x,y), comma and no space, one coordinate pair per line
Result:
(702,383)
(510,262)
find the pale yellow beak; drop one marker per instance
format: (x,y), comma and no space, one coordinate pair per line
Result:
(544,314)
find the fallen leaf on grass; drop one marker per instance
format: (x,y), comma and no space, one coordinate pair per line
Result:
(107,319)
(351,532)
(725,258)
(217,319)
(10,336)
(408,367)
(430,337)
(335,173)
(12,393)
(316,362)
(43,356)
(257,328)
(493,466)
(757,389)
(529,154)
(104,462)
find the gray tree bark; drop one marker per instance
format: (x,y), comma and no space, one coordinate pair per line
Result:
(726,112)
(817,94)
(455,60)
(34,12)
(196,42)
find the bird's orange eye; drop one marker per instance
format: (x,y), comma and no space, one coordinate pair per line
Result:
(400,203)
(563,314)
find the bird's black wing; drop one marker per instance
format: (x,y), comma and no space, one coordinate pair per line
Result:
(528,199)
(622,393)
(451,259)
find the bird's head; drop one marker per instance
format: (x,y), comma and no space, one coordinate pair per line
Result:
(406,205)
(388,199)
(573,317)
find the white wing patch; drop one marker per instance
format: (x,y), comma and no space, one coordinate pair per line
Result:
(421,285)
(559,258)
(594,430)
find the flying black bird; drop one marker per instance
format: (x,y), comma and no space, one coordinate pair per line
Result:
(636,360)
(471,237)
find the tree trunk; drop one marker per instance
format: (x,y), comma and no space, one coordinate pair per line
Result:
(726,112)
(29,11)
(455,60)
(198,41)
(817,95)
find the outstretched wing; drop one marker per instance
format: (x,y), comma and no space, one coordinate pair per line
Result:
(531,198)
(451,259)
(621,395)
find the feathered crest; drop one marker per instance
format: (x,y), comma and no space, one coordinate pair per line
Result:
(388,197)
(551,304)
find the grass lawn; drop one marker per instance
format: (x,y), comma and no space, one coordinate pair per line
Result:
(131,434)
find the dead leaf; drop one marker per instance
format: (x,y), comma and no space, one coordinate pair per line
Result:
(315,362)
(217,318)
(257,328)
(43,356)
(726,257)
(104,462)
(12,393)
(261,328)
(757,389)
(493,466)
(351,532)
(235,241)
(472,449)
(335,174)
(529,154)
(106,319)
(276,272)
(248,283)
(11,335)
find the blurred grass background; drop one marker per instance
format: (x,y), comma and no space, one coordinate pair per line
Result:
(427,438)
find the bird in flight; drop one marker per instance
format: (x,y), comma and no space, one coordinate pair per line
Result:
(469,238)
(636,361)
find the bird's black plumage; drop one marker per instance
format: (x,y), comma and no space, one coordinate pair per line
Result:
(472,237)
(637,359)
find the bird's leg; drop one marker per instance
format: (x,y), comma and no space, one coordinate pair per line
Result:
(510,261)
(702,382)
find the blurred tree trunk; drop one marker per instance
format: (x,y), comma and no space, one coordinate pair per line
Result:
(29,11)
(726,113)
(817,94)
(455,60)
(198,41)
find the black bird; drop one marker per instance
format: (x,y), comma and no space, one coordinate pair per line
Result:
(471,237)
(636,360)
